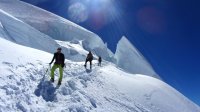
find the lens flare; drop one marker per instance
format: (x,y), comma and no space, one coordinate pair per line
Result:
(98,12)
(78,12)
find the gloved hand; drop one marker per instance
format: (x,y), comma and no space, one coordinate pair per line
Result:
(63,65)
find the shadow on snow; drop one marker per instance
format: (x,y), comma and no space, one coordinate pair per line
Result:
(88,70)
(46,90)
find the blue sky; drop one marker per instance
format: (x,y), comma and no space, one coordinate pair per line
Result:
(167,33)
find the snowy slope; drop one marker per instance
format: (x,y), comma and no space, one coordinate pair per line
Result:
(24,86)
(54,26)
(34,27)
(130,59)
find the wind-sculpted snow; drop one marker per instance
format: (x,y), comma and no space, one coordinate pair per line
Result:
(2,32)
(131,60)
(54,26)
(25,86)
(19,32)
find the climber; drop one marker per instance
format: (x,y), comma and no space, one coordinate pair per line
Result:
(99,61)
(89,58)
(59,63)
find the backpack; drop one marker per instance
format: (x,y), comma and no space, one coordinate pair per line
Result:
(90,56)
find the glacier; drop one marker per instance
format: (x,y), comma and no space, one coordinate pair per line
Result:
(54,26)
(29,36)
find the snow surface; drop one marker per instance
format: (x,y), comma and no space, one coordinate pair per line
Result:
(25,86)
(130,59)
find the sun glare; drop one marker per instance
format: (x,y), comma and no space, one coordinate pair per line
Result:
(98,12)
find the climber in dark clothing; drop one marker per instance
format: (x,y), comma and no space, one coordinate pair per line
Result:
(89,58)
(59,63)
(99,60)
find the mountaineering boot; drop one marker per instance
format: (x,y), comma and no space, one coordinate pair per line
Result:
(59,82)
(90,66)
(52,80)
(85,66)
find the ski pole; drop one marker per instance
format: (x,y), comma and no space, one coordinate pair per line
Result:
(49,68)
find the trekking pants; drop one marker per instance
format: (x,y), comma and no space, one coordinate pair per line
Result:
(87,61)
(55,66)
(90,63)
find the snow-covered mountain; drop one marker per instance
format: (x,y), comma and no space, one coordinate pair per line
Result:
(26,49)
(31,26)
